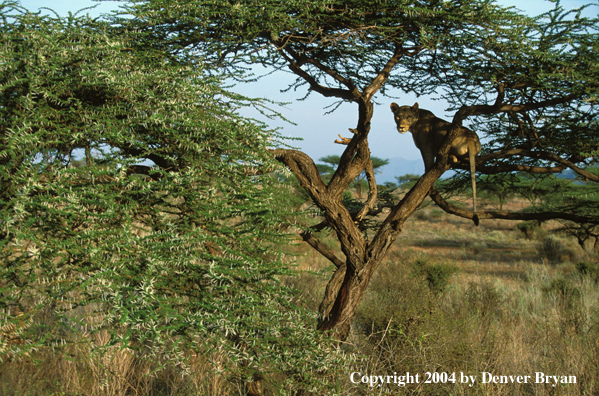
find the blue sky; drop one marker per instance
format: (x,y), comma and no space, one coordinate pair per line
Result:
(317,129)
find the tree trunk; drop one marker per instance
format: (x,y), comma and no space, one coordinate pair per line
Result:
(362,257)
(348,284)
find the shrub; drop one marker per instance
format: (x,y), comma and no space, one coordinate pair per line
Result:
(588,269)
(554,251)
(484,298)
(436,275)
(528,228)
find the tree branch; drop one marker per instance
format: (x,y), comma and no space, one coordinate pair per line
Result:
(380,79)
(449,208)
(338,217)
(321,248)
(305,170)
(303,59)
(532,169)
(466,111)
(372,188)
(296,68)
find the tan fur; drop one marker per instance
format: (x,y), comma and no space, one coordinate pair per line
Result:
(428,132)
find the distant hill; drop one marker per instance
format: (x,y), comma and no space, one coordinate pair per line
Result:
(398,167)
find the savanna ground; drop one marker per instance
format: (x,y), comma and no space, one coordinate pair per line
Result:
(456,298)
(449,298)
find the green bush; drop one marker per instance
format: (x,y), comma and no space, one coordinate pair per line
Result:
(588,269)
(484,299)
(436,275)
(566,291)
(528,228)
(554,251)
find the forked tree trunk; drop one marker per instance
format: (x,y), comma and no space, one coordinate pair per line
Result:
(348,284)
(362,257)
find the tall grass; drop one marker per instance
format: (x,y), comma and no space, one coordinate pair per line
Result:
(545,323)
(75,370)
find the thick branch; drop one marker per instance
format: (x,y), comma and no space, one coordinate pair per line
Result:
(321,248)
(339,219)
(532,169)
(158,160)
(296,68)
(372,188)
(353,159)
(306,172)
(449,208)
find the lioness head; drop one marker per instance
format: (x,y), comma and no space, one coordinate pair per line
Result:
(405,116)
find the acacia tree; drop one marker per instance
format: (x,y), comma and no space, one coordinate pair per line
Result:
(528,85)
(129,208)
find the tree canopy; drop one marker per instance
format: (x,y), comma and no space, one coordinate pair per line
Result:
(131,206)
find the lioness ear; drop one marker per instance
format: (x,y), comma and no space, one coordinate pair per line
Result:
(415,107)
(394,107)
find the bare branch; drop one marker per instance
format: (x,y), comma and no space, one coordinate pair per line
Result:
(372,188)
(343,140)
(303,59)
(466,111)
(372,192)
(295,67)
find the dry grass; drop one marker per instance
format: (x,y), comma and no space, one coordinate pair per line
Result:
(509,310)
(74,370)
(515,307)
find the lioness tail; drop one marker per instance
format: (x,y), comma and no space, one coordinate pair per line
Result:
(471,157)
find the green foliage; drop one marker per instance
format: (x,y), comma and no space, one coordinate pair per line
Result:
(529,228)
(437,275)
(565,290)
(590,270)
(407,181)
(528,84)
(327,169)
(554,251)
(331,160)
(158,236)
(387,186)
(497,188)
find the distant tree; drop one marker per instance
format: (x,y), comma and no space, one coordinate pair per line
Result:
(332,162)
(407,181)
(327,169)
(389,186)
(165,236)
(496,189)
(529,84)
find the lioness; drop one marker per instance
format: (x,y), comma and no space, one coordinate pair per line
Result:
(428,132)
